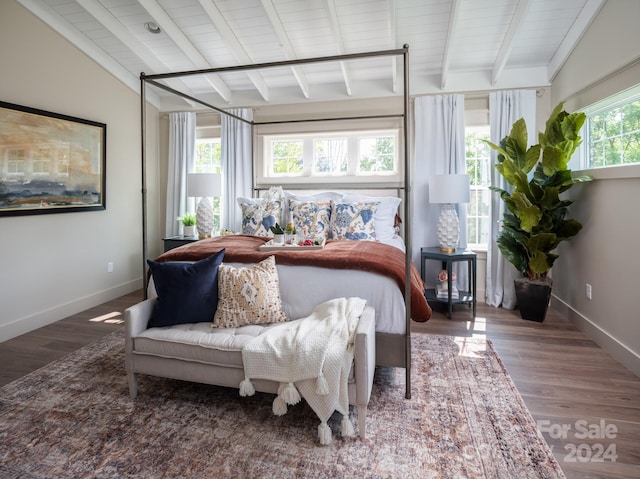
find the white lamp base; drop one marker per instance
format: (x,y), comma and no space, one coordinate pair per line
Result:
(448,228)
(204,218)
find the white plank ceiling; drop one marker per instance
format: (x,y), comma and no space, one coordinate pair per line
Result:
(454,45)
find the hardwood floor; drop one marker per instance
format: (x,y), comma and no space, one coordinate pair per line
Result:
(26,353)
(587,404)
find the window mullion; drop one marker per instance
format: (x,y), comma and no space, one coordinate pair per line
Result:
(307,156)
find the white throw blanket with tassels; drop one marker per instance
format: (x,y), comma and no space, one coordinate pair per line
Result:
(311,357)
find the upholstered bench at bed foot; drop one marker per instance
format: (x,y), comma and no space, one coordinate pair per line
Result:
(199,353)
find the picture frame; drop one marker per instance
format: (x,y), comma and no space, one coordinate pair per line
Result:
(50,162)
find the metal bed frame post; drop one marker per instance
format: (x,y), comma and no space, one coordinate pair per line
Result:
(407,227)
(404,52)
(143,142)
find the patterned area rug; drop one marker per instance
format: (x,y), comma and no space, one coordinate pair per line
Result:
(74,418)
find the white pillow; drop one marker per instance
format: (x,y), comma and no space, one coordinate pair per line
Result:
(385,215)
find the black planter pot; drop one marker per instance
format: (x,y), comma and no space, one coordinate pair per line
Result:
(533,299)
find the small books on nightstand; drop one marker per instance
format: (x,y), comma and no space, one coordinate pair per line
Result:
(443,293)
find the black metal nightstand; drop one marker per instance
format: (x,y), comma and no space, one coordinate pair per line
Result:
(175,241)
(447,259)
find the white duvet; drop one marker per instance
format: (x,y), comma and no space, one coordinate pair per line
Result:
(304,287)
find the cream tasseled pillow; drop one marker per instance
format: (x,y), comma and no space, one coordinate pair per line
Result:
(249,295)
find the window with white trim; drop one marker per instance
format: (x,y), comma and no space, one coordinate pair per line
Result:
(207,160)
(479,171)
(370,155)
(611,134)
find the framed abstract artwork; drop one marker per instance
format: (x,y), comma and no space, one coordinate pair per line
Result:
(49,162)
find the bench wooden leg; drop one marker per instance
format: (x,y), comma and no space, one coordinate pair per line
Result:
(133,385)
(362,421)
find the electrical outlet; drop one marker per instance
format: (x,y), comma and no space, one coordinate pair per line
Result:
(110,267)
(588,291)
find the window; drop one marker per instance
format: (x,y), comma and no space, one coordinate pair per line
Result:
(478,169)
(16,160)
(208,155)
(613,136)
(377,155)
(208,161)
(63,164)
(41,161)
(330,156)
(325,156)
(287,157)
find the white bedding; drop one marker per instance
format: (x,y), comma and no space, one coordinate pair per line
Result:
(304,287)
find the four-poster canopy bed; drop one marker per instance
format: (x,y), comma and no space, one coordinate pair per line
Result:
(392,348)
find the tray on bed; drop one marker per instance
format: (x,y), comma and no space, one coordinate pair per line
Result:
(271,246)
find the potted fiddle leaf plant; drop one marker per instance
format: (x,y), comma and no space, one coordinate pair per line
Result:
(535,222)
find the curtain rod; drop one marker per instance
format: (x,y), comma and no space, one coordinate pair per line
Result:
(482,93)
(310,120)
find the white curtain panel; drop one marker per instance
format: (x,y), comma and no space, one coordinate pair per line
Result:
(236,147)
(182,137)
(505,108)
(439,150)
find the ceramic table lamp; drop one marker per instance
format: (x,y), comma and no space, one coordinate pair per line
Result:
(204,186)
(449,190)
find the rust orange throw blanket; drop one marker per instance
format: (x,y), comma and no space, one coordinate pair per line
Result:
(362,255)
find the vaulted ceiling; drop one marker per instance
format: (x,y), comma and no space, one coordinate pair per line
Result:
(454,45)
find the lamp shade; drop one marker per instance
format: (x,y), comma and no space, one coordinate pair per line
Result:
(449,189)
(204,185)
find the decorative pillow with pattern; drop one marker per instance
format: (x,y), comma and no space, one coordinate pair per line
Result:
(312,218)
(260,214)
(385,216)
(249,295)
(353,221)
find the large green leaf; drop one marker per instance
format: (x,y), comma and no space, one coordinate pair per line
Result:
(531,158)
(551,200)
(528,213)
(513,250)
(538,263)
(542,242)
(571,125)
(553,131)
(553,159)
(568,228)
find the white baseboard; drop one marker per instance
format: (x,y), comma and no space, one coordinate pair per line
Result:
(628,357)
(51,315)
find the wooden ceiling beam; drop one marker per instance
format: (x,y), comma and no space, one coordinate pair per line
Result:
(454,20)
(509,38)
(174,32)
(226,32)
(337,31)
(573,36)
(289,51)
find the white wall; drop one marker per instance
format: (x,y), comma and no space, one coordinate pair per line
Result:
(604,254)
(55,265)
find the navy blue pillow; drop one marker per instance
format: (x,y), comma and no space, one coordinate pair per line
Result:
(187,292)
